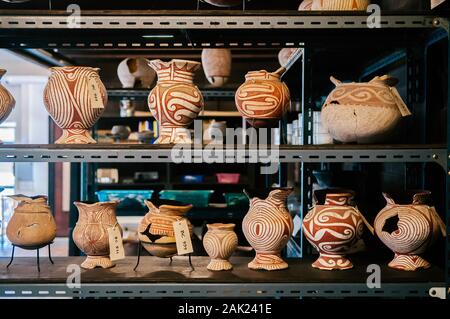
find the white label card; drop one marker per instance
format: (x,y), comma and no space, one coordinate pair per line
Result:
(95,96)
(182,237)
(116,251)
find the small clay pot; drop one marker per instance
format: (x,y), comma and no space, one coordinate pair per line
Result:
(220,242)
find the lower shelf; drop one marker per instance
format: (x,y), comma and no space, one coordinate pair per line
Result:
(156,278)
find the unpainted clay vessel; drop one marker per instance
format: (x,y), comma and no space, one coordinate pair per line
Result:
(220,242)
(263,98)
(217,65)
(334,227)
(67,98)
(7,101)
(91,232)
(363,112)
(32,223)
(156,231)
(409,226)
(135,73)
(268,228)
(175,101)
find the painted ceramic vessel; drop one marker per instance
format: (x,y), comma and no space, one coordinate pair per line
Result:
(217,65)
(135,73)
(224,3)
(175,101)
(32,223)
(69,97)
(156,231)
(334,227)
(220,242)
(7,101)
(268,228)
(409,226)
(335,5)
(263,98)
(363,112)
(91,232)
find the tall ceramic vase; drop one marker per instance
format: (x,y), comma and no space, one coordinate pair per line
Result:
(263,98)
(175,101)
(268,228)
(334,226)
(91,232)
(409,226)
(220,242)
(7,101)
(75,98)
(32,224)
(217,66)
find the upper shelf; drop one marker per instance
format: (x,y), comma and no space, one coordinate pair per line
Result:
(161,29)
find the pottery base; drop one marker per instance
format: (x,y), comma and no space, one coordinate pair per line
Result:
(219,265)
(174,135)
(268,262)
(75,136)
(332,262)
(92,262)
(409,262)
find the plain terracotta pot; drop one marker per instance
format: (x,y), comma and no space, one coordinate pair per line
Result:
(67,99)
(91,232)
(175,101)
(217,65)
(7,101)
(32,223)
(220,242)
(135,73)
(409,226)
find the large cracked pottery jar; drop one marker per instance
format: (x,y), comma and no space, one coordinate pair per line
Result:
(32,223)
(363,112)
(175,101)
(91,232)
(268,227)
(263,98)
(7,101)
(155,230)
(409,226)
(220,242)
(216,64)
(334,226)
(75,98)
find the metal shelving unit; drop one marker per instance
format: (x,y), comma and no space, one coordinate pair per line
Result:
(203,29)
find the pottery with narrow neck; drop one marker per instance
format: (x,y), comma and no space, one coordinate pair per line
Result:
(220,242)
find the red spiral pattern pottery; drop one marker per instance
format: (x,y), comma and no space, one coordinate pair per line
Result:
(67,98)
(7,101)
(91,232)
(409,229)
(220,242)
(333,228)
(263,98)
(175,101)
(268,227)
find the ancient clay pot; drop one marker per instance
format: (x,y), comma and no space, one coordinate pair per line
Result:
(217,65)
(363,112)
(91,232)
(268,228)
(7,101)
(263,98)
(135,73)
(156,231)
(285,55)
(220,242)
(306,5)
(175,101)
(334,5)
(32,224)
(409,226)
(334,227)
(68,98)
(224,3)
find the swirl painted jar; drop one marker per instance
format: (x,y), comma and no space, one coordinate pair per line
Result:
(268,228)
(7,101)
(75,98)
(217,66)
(409,226)
(334,226)
(155,230)
(175,101)
(263,98)
(91,232)
(32,223)
(220,242)
(335,5)
(363,112)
